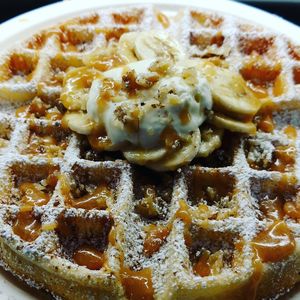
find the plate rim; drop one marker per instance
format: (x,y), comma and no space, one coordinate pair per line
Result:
(34,20)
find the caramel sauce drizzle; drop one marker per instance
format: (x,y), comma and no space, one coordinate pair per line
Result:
(275,243)
(45,145)
(163,20)
(99,142)
(26,226)
(285,158)
(265,118)
(255,278)
(32,195)
(184,116)
(97,199)
(38,109)
(89,257)
(137,284)
(155,237)
(183,213)
(202,267)
(35,194)
(292,208)
(106,62)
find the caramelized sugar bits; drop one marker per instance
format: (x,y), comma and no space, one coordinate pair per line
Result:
(114,33)
(106,62)
(202,266)
(137,284)
(90,19)
(35,185)
(156,235)
(271,155)
(292,208)
(294,51)
(27,226)
(259,45)
(296,73)
(75,40)
(96,199)
(284,158)
(89,257)
(264,119)
(89,153)
(275,243)
(60,65)
(207,20)
(5,133)
(46,141)
(277,199)
(84,240)
(265,123)
(134,17)
(21,65)
(210,251)
(277,157)
(260,75)
(88,189)
(37,41)
(131,83)
(33,195)
(40,110)
(163,19)
(209,188)
(183,213)
(204,40)
(152,193)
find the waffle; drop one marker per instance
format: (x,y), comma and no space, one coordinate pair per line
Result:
(83,224)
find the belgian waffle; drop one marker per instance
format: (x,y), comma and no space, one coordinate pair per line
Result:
(225,226)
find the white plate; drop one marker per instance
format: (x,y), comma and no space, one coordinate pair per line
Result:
(24,25)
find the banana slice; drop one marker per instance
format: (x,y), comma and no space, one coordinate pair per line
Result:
(76,86)
(149,45)
(157,44)
(78,122)
(211,140)
(126,46)
(143,157)
(178,158)
(230,92)
(221,121)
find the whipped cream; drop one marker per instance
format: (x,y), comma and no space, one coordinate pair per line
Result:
(178,100)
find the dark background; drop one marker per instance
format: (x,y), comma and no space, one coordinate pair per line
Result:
(289,10)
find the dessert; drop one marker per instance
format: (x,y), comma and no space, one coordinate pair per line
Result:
(150,157)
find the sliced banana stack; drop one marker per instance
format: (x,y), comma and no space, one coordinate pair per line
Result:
(234,103)
(150,45)
(180,158)
(161,160)
(222,121)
